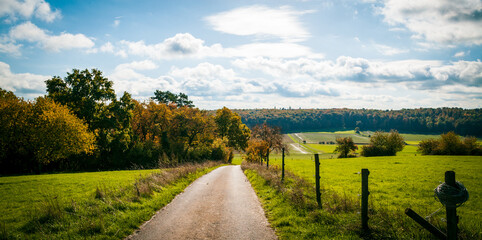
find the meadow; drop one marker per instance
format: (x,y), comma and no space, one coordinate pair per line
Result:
(98,205)
(395,183)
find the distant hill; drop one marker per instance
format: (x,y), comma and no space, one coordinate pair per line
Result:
(466,122)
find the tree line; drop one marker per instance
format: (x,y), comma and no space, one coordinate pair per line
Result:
(422,120)
(81,124)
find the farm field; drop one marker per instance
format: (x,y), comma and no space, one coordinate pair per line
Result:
(395,183)
(83,205)
(399,182)
(316,137)
(361,138)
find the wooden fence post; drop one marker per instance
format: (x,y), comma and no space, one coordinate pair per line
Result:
(451,210)
(364,201)
(317,180)
(282,164)
(425,224)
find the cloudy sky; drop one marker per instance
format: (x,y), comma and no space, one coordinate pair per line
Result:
(384,54)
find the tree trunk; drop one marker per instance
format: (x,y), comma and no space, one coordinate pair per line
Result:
(267,159)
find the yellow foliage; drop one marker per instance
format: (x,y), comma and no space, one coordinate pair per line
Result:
(58,133)
(43,129)
(257,150)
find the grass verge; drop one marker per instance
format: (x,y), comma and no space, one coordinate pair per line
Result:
(105,210)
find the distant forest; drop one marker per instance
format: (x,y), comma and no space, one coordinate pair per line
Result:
(466,122)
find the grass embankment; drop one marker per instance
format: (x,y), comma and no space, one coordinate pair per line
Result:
(395,183)
(98,205)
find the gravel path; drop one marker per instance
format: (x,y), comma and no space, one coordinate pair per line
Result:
(219,205)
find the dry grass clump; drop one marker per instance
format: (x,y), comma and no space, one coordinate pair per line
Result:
(145,186)
(293,186)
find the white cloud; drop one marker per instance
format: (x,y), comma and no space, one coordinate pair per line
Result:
(22,84)
(138,65)
(389,51)
(273,50)
(304,82)
(127,78)
(461,54)
(31,33)
(28,8)
(121,53)
(184,45)
(181,45)
(107,48)
(418,74)
(262,22)
(117,21)
(446,22)
(208,79)
(10,48)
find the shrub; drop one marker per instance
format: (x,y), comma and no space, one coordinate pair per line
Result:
(450,144)
(384,144)
(429,147)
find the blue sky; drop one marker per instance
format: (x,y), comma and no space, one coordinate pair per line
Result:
(382,54)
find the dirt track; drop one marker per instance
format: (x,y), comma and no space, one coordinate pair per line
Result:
(219,205)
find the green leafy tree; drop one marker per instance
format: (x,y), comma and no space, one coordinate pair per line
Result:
(345,146)
(86,93)
(384,144)
(191,130)
(168,97)
(182,100)
(229,126)
(119,137)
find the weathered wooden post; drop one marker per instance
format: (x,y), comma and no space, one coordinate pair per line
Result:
(317,180)
(451,194)
(364,201)
(451,209)
(425,224)
(282,164)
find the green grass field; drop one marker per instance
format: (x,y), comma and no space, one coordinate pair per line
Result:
(99,205)
(395,183)
(398,182)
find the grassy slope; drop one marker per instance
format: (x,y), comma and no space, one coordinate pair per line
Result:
(399,182)
(69,206)
(21,194)
(315,137)
(396,183)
